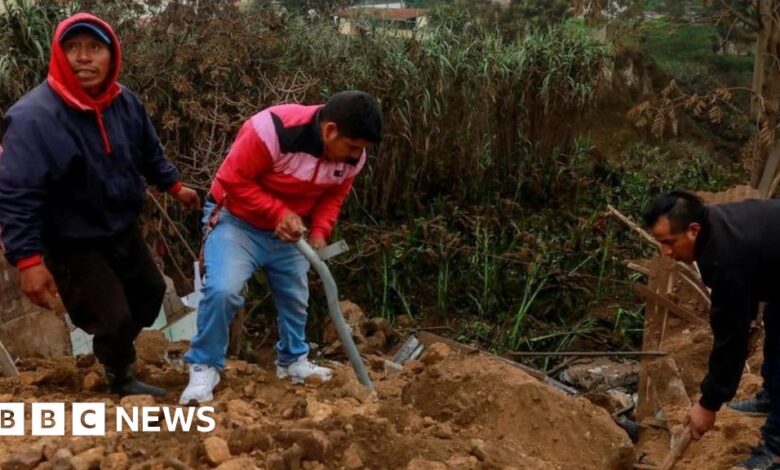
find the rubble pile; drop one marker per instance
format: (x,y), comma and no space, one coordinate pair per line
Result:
(447,410)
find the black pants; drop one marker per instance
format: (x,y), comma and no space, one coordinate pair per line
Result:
(111,289)
(770,371)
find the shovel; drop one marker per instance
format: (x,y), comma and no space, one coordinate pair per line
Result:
(332,294)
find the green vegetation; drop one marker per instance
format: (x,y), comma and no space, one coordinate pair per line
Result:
(481,210)
(688,52)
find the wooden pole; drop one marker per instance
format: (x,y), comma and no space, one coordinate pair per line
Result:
(586,353)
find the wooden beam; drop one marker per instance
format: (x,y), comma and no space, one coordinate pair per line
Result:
(637,267)
(631,224)
(586,353)
(669,304)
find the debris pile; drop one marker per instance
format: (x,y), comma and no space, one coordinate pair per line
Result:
(448,410)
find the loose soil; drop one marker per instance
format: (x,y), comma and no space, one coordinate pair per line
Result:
(449,410)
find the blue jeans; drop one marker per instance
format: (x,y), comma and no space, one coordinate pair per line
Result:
(233,251)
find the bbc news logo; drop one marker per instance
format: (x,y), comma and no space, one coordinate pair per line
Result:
(89,419)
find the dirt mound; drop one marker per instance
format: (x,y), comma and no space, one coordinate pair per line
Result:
(451,412)
(517,415)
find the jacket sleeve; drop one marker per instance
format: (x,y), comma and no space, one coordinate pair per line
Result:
(327,209)
(239,175)
(154,166)
(733,307)
(35,153)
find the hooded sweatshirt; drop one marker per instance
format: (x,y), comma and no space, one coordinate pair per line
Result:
(75,166)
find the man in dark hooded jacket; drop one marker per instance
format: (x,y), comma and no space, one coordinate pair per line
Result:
(736,247)
(77,153)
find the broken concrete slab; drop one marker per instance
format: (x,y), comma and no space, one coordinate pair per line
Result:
(601,374)
(41,334)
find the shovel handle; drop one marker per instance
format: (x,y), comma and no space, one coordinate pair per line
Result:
(678,448)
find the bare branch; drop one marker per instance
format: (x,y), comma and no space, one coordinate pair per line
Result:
(744,18)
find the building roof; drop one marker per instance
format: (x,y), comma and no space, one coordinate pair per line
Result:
(394,14)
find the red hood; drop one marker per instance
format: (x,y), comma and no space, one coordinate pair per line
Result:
(65,83)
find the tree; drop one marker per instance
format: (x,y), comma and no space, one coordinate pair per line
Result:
(753,20)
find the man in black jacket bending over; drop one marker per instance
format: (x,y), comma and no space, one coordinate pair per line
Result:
(737,248)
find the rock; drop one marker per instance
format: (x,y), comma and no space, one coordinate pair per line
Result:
(355,319)
(602,373)
(62,460)
(292,457)
(86,361)
(24,460)
(275,462)
(463,462)
(243,463)
(422,464)
(443,431)
(622,399)
(435,353)
(217,450)
(477,449)
(353,389)
(351,458)
(115,461)
(414,366)
(309,465)
(240,411)
(92,457)
(81,444)
(51,447)
(244,440)
(380,324)
(299,408)
(377,341)
(93,381)
(391,368)
(131,401)
(315,444)
(81,464)
(318,411)
(152,347)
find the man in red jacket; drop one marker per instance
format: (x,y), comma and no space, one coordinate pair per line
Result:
(77,155)
(290,166)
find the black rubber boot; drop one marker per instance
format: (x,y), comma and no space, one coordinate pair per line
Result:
(122,382)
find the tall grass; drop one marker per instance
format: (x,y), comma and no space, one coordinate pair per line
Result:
(478,208)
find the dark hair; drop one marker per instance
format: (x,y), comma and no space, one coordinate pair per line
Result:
(356,114)
(681,207)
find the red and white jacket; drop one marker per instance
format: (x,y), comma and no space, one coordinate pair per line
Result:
(276,164)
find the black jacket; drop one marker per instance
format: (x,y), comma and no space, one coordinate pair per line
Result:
(56,180)
(738,252)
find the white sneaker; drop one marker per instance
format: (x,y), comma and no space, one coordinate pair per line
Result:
(203,379)
(302,368)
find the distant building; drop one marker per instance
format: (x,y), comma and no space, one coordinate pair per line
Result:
(403,22)
(379,4)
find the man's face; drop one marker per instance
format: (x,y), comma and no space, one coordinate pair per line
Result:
(681,245)
(341,148)
(90,60)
